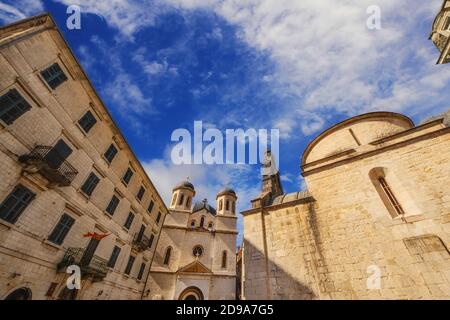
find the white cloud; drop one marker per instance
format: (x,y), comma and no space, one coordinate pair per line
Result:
(327,59)
(128,16)
(215,34)
(153,67)
(123,90)
(11,11)
(287,177)
(128,96)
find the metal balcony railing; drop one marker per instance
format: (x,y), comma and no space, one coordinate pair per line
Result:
(141,242)
(52,166)
(94,266)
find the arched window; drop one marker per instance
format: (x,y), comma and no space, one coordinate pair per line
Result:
(227,205)
(167,256)
(210,225)
(20,294)
(193,223)
(220,204)
(392,199)
(188,202)
(202,222)
(233,207)
(224,259)
(181,200)
(174,199)
(378,177)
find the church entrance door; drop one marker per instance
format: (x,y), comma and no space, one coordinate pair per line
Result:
(191,293)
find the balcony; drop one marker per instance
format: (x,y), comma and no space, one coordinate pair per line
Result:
(92,266)
(48,162)
(141,242)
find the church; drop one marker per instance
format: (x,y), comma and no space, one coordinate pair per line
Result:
(195,257)
(372,223)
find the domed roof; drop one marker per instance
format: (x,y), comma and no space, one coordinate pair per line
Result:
(366,127)
(226,191)
(184,184)
(203,205)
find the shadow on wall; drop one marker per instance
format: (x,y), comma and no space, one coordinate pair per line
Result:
(303,275)
(265,279)
(311,227)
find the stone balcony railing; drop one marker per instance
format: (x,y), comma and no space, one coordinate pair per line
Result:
(50,165)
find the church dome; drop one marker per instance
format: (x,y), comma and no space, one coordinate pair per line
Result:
(184,184)
(226,191)
(203,205)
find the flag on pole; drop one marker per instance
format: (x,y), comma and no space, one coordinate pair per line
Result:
(95,235)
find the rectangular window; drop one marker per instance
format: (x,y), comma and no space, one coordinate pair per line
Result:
(141,271)
(140,193)
(224,259)
(129,265)
(114,255)
(90,184)
(127,176)
(12,106)
(112,206)
(87,121)
(129,221)
(150,242)
(58,154)
(391,197)
(158,218)
(150,206)
(141,233)
(15,203)
(54,76)
(61,230)
(110,153)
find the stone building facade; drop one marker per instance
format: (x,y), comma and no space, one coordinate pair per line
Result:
(71,190)
(440,35)
(374,222)
(196,254)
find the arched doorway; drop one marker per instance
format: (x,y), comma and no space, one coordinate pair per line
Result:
(191,293)
(19,294)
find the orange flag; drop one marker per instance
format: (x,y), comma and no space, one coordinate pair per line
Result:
(95,235)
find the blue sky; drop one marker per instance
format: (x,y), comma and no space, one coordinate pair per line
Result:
(299,66)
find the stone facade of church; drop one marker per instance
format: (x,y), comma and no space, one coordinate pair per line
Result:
(374,222)
(196,254)
(71,190)
(440,34)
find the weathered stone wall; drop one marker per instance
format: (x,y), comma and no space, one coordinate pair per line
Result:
(169,281)
(332,247)
(27,258)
